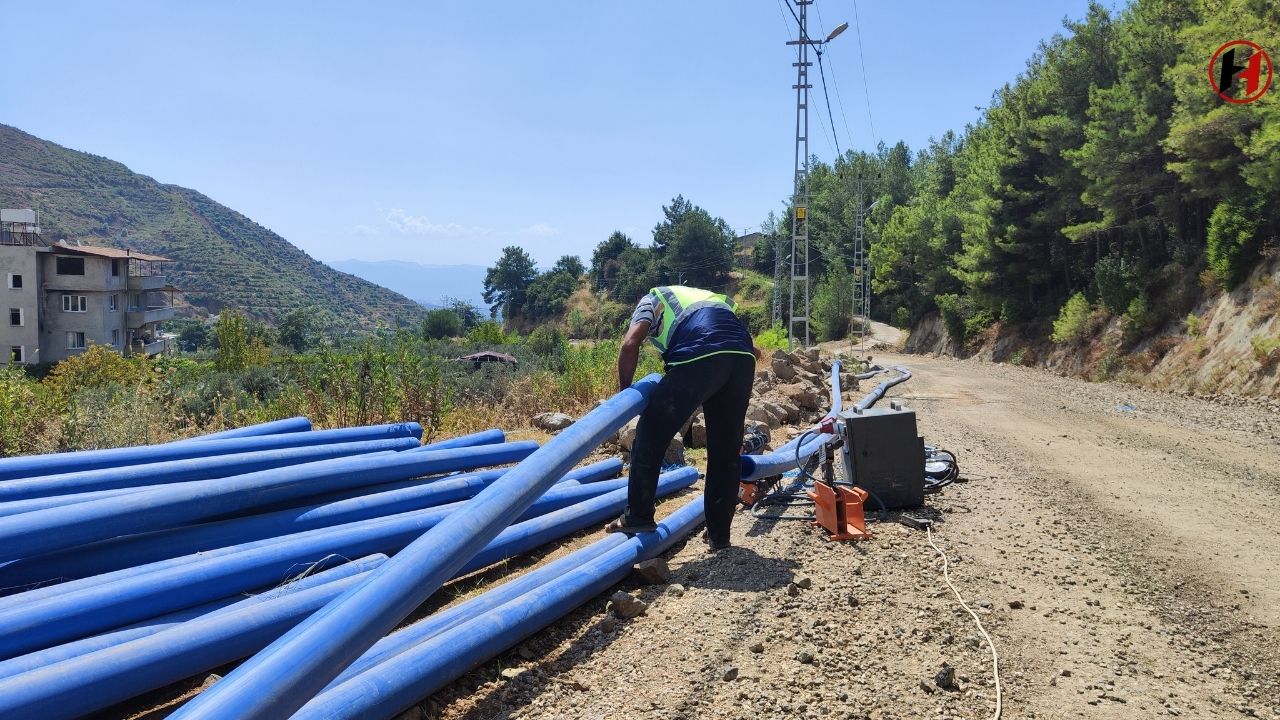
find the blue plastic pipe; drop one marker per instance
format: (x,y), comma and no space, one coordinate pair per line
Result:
(30,624)
(170,506)
(275,427)
(82,684)
(439,621)
(151,626)
(107,676)
(405,678)
(137,550)
(492,436)
(418,524)
(35,465)
(280,679)
(403,639)
(174,471)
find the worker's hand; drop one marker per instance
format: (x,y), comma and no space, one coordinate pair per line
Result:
(757,352)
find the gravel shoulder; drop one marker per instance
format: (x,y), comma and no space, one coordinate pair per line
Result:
(1119,545)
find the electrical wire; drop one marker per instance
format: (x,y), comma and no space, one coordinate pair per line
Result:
(857,28)
(995,658)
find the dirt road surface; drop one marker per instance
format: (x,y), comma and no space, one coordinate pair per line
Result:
(1120,546)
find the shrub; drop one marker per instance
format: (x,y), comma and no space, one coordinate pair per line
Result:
(1115,284)
(754,318)
(1194,324)
(1265,350)
(1138,318)
(549,343)
(489,333)
(1232,242)
(902,318)
(1073,320)
(440,324)
(961,316)
(775,338)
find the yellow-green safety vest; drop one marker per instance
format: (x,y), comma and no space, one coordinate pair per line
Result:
(678,303)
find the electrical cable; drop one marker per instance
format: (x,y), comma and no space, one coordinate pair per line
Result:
(995,658)
(857,28)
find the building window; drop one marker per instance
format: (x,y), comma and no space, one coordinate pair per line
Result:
(75,303)
(15,281)
(115,338)
(15,317)
(70,266)
(115,268)
(113,303)
(16,354)
(75,341)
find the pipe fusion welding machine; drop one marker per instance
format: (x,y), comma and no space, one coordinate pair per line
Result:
(882,458)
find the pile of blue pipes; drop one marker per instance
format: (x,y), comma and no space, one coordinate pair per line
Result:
(127,570)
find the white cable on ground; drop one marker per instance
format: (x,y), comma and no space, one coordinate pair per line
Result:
(995,659)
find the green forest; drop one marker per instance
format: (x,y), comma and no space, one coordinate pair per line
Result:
(1108,177)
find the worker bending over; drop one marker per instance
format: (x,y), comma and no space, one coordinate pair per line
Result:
(710,362)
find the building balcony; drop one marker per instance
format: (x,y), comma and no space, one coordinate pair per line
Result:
(147,282)
(151,348)
(139,317)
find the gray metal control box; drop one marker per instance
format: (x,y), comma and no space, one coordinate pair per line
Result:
(883,454)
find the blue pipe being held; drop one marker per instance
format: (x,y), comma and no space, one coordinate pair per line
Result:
(492,436)
(175,471)
(275,427)
(404,679)
(151,626)
(30,624)
(173,505)
(108,676)
(280,679)
(137,550)
(34,465)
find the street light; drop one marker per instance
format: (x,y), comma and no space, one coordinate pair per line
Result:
(839,29)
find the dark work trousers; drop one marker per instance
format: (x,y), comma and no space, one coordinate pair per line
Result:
(721,384)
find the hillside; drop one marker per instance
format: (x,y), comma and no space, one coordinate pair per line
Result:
(223,259)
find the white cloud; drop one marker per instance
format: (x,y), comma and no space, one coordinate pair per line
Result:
(540,230)
(364,230)
(407,224)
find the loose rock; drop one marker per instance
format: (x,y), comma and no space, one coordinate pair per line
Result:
(653,572)
(626,605)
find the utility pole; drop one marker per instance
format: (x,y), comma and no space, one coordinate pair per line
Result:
(777,279)
(861,310)
(800,197)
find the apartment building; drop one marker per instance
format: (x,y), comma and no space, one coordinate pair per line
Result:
(60,298)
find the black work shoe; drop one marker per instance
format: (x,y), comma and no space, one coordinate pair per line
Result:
(620,526)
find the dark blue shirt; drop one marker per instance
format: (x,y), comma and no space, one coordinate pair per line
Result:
(708,330)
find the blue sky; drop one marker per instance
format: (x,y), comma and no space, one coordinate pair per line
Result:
(440,132)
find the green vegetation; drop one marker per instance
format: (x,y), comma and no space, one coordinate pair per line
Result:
(1107,169)
(775,338)
(101,399)
(1266,350)
(1073,320)
(223,259)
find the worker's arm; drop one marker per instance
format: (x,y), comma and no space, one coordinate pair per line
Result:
(629,353)
(757,352)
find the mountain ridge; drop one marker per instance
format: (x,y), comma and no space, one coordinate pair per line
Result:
(222,257)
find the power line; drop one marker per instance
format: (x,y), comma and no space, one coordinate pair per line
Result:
(857,28)
(835,82)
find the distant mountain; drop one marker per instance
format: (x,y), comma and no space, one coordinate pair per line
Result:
(223,259)
(428,284)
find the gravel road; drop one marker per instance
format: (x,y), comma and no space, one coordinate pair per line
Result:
(1119,545)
